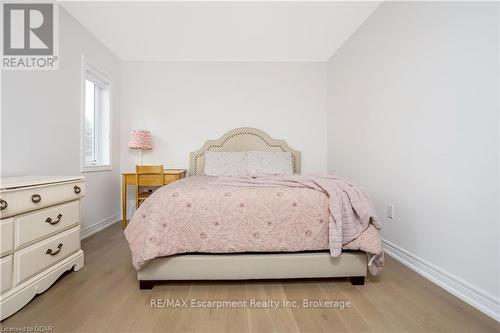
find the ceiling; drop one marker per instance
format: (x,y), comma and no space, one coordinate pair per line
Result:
(222,31)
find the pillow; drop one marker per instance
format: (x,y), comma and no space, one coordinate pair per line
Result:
(269,162)
(222,163)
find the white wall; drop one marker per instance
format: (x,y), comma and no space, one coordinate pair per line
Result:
(40,121)
(413,100)
(184,104)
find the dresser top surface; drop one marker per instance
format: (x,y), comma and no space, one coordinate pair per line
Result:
(17,182)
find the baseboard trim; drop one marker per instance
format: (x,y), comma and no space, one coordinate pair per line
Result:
(96,227)
(479,299)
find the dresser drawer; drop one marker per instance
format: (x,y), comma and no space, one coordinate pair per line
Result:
(22,200)
(33,259)
(41,223)
(6,273)
(7,235)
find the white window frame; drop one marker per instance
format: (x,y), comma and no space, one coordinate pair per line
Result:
(105,81)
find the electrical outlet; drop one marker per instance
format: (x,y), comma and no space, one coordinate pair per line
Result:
(390,212)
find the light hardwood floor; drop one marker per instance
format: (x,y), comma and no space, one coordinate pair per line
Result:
(104,297)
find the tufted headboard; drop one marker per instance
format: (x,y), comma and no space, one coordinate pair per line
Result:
(241,139)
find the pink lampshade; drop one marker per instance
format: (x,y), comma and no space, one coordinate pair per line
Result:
(140,139)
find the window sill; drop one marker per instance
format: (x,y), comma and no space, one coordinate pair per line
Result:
(97,168)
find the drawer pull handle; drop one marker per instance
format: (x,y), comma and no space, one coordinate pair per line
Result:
(36,198)
(49,220)
(77,189)
(53,253)
(3,204)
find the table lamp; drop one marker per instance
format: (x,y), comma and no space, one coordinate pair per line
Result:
(140,140)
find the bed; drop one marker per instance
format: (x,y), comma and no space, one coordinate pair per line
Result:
(199,256)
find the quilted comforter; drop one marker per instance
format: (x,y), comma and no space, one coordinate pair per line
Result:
(255,214)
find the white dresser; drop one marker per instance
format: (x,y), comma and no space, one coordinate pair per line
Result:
(39,234)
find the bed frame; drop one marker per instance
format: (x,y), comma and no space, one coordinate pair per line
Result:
(249,266)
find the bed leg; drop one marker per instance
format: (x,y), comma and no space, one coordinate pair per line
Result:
(357,280)
(146,284)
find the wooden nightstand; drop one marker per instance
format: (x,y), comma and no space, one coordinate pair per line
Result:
(128,178)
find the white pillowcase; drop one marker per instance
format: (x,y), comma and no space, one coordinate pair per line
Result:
(225,163)
(269,162)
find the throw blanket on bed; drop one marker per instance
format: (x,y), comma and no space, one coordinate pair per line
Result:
(351,210)
(209,215)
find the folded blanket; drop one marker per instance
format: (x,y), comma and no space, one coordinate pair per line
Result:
(351,210)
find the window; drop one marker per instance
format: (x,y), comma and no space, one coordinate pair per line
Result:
(96,129)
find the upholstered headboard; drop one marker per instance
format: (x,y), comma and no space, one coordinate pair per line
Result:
(241,139)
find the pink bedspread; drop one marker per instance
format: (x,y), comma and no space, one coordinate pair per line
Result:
(264,214)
